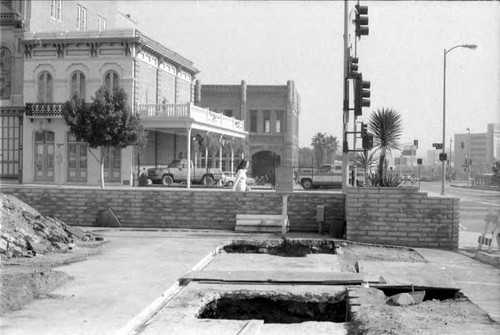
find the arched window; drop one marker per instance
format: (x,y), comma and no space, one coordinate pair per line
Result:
(77,85)
(45,87)
(111,80)
(5,70)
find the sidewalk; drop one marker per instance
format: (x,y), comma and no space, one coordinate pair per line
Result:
(99,299)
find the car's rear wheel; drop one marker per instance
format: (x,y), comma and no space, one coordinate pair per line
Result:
(307,184)
(207,181)
(167,180)
(229,184)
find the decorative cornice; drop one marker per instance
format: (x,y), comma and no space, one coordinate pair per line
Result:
(128,38)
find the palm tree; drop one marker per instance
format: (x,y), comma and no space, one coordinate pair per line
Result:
(332,145)
(386,126)
(366,161)
(318,142)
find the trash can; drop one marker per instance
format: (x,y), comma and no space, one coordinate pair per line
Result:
(337,228)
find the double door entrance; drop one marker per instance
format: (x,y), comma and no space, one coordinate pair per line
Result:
(47,158)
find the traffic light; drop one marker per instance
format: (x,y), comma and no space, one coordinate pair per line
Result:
(361,20)
(353,67)
(443,157)
(364,129)
(415,143)
(367,141)
(361,94)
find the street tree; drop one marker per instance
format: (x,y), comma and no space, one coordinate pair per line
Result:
(386,126)
(318,142)
(106,123)
(331,146)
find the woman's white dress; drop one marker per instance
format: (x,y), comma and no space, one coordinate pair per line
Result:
(241,180)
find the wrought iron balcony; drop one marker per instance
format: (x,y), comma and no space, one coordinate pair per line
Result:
(44,110)
(12,18)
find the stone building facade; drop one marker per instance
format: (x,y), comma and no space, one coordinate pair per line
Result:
(271,116)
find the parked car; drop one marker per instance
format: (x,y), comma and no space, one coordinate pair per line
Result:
(176,171)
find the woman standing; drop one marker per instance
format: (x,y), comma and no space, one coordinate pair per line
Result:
(240,183)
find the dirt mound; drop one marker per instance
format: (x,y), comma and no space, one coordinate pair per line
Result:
(24,232)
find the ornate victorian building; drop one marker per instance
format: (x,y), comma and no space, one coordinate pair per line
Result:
(73,48)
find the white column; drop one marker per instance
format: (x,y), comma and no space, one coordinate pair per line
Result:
(189,158)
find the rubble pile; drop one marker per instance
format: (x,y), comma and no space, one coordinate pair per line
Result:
(24,232)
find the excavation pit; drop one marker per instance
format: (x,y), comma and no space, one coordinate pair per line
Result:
(283,248)
(431,293)
(281,309)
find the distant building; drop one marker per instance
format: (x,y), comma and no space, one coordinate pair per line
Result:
(477,151)
(271,116)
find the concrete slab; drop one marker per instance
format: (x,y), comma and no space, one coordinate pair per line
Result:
(406,274)
(265,262)
(478,281)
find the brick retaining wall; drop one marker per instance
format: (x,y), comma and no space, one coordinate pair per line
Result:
(402,216)
(174,208)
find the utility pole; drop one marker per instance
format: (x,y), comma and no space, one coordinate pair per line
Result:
(345,120)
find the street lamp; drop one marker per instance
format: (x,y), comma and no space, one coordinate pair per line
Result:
(468,46)
(468,156)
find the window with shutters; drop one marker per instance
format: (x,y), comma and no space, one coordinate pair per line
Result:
(77,85)
(45,87)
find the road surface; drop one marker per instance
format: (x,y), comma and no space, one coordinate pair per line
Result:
(474,204)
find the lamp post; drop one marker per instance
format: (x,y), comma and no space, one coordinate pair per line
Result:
(468,156)
(468,46)
(450,160)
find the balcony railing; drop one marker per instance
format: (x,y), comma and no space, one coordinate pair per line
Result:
(158,112)
(188,111)
(44,110)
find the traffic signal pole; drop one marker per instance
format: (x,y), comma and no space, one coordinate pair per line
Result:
(345,153)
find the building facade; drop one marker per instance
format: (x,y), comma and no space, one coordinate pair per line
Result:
(475,153)
(271,117)
(72,49)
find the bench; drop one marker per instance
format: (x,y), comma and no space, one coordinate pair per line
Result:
(261,223)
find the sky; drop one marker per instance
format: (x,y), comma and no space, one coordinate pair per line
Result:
(270,42)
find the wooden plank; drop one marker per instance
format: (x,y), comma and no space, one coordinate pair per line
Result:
(407,273)
(265,229)
(248,222)
(258,216)
(321,278)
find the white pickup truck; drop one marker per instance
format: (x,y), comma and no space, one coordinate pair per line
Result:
(328,176)
(177,172)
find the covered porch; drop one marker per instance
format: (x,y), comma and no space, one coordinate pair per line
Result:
(176,126)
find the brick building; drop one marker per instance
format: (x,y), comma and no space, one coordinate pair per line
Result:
(271,117)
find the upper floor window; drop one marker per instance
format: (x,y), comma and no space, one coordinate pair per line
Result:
(111,80)
(101,23)
(56,10)
(279,121)
(81,17)
(5,70)
(267,122)
(45,87)
(77,85)
(253,121)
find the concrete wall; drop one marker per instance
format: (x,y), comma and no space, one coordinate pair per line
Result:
(402,216)
(167,208)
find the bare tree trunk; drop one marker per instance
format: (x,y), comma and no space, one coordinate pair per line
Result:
(103,153)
